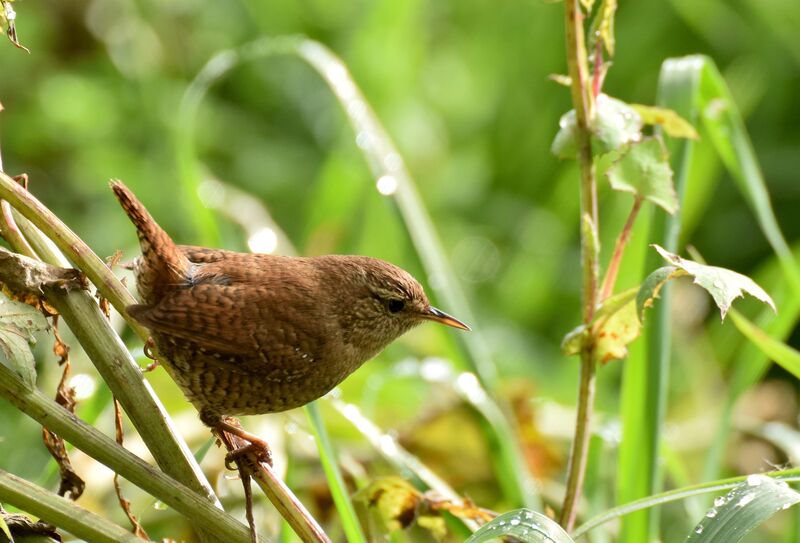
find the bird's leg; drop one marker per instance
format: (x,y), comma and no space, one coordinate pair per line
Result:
(148,352)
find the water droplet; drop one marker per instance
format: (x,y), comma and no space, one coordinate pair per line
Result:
(160,506)
(514,522)
(699,529)
(363,140)
(754,480)
(747,498)
(387,185)
(393,162)
(720,501)
(356,108)
(786,505)
(712,513)
(528,515)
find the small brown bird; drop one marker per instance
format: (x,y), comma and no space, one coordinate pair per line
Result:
(246,334)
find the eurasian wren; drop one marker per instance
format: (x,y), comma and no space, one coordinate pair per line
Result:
(247,334)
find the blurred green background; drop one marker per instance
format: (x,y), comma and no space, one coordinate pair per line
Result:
(462,87)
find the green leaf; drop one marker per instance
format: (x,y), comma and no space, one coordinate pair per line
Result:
(785,356)
(615,125)
(613,327)
(603,24)
(673,124)
(743,509)
(18,322)
(523,524)
(614,333)
(644,171)
(564,145)
(723,285)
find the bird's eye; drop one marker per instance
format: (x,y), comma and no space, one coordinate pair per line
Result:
(396,305)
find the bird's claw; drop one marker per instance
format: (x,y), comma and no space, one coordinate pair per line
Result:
(260,452)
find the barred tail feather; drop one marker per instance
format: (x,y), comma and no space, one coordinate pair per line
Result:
(161,263)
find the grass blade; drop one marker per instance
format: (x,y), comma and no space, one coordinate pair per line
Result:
(785,356)
(744,508)
(523,525)
(347,514)
(787,476)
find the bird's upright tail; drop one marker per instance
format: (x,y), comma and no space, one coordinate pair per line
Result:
(162,264)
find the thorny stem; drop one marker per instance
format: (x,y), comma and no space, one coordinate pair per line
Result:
(582,100)
(619,250)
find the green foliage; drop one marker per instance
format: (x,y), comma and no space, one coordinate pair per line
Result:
(524,525)
(18,322)
(743,509)
(723,285)
(492,219)
(644,170)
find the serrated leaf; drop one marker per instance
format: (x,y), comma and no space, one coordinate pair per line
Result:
(18,322)
(723,285)
(524,525)
(672,123)
(743,509)
(644,171)
(603,24)
(615,123)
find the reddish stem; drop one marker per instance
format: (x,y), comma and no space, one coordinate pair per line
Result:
(619,250)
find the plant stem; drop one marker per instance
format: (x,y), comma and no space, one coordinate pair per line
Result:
(201,513)
(60,511)
(582,100)
(619,250)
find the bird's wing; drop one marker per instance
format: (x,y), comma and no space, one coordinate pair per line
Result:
(237,320)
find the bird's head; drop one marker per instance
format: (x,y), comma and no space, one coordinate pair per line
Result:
(380,301)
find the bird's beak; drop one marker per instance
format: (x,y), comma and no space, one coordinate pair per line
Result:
(434,314)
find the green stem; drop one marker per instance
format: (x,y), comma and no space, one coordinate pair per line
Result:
(72,246)
(200,512)
(583,104)
(121,373)
(61,512)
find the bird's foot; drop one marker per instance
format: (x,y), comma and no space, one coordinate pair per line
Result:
(241,443)
(148,352)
